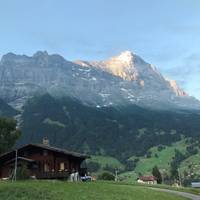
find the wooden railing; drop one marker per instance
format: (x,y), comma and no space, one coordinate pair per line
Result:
(59,174)
(52,175)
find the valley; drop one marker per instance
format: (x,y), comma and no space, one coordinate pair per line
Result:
(131,120)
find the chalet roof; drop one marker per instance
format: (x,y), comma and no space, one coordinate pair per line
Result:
(19,158)
(148,178)
(59,150)
(50,148)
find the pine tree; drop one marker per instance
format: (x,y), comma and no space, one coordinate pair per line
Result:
(157,174)
(8,134)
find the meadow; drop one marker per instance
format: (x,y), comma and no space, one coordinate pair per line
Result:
(57,190)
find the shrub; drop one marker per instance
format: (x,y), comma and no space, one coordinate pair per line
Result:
(191,150)
(106,176)
(161,147)
(22,172)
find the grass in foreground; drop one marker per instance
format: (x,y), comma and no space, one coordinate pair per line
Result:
(55,190)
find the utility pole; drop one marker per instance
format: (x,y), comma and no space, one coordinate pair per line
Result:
(179,176)
(116,174)
(15,170)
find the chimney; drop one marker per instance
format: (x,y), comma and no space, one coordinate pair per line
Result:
(45,141)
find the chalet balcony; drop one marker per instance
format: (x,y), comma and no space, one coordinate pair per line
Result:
(58,174)
(52,175)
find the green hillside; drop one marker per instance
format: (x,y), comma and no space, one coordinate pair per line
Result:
(105,161)
(54,190)
(162,157)
(190,168)
(191,162)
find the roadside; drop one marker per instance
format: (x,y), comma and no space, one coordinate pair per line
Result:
(183,194)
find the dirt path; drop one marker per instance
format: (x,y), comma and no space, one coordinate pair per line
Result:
(183,194)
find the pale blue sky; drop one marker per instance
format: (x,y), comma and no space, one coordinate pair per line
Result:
(165,33)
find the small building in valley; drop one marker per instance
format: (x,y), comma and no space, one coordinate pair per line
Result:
(195,184)
(147,180)
(42,161)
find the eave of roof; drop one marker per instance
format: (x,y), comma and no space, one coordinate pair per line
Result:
(21,158)
(55,149)
(59,150)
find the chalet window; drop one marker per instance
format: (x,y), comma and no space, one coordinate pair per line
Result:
(26,153)
(62,166)
(45,153)
(46,167)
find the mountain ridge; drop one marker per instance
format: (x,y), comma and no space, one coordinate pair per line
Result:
(125,66)
(120,80)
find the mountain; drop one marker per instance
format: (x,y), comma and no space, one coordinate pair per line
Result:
(121,80)
(121,107)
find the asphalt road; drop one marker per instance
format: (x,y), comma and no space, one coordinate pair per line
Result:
(183,194)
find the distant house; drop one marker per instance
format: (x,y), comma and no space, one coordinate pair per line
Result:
(147,180)
(195,184)
(42,161)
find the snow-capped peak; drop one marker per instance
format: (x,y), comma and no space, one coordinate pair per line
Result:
(131,67)
(121,65)
(126,56)
(126,65)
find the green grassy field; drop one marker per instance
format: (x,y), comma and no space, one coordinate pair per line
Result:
(191,164)
(162,159)
(55,190)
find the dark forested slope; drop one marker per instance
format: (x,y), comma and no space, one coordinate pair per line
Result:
(117,131)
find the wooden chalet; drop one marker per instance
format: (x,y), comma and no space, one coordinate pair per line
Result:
(42,162)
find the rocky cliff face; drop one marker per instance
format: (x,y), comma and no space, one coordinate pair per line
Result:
(123,79)
(132,68)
